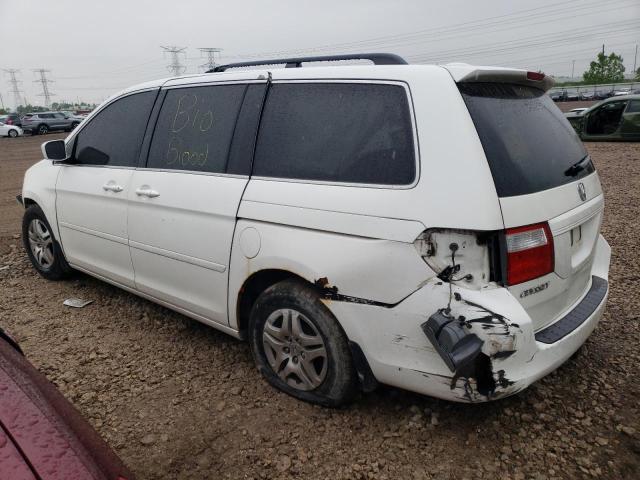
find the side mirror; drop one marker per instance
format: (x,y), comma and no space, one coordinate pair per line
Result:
(54,150)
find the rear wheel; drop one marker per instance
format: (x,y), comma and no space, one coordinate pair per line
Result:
(13,133)
(43,129)
(299,347)
(41,246)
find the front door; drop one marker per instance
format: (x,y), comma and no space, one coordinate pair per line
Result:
(183,205)
(630,128)
(604,122)
(92,188)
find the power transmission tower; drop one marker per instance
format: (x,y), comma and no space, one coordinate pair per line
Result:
(45,85)
(15,89)
(175,66)
(211,58)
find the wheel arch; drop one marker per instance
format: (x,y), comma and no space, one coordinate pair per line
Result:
(251,289)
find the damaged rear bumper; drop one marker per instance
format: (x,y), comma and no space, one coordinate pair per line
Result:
(510,358)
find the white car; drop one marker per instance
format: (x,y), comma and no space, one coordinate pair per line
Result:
(10,130)
(434,228)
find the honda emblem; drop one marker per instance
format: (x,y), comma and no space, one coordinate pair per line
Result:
(582,191)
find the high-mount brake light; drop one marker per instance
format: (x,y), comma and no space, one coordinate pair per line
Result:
(536,76)
(529,252)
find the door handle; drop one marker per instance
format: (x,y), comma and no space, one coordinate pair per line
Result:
(112,187)
(147,192)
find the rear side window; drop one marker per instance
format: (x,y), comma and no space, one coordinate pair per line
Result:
(337,132)
(114,136)
(195,127)
(529,144)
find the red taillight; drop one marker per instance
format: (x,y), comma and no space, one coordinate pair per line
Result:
(529,252)
(537,76)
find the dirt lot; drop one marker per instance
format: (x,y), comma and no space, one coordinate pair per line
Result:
(179,400)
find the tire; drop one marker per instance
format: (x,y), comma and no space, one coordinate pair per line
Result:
(298,327)
(41,246)
(13,133)
(43,129)
(74,125)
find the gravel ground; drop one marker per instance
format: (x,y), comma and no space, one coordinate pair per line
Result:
(177,399)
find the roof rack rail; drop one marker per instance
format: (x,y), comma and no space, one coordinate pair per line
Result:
(376,58)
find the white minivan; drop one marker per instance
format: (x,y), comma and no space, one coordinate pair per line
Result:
(434,228)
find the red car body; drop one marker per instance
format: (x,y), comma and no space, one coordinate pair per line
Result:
(42,436)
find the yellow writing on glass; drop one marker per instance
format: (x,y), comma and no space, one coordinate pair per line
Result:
(189,113)
(178,155)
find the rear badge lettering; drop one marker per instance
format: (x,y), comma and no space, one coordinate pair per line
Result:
(533,290)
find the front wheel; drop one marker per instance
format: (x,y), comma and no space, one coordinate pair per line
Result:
(13,133)
(43,129)
(41,246)
(299,347)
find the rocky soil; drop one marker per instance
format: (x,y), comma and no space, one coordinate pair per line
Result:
(176,399)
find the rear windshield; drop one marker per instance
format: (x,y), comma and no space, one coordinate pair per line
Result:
(528,142)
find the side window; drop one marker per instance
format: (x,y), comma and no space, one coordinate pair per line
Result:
(338,132)
(194,128)
(634,106)
(114,136)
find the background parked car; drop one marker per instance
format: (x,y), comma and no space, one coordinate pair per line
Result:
(11,119)
(603,94)
(41,434)
(45,122)
(557,96)
(10,130)
(73,115)
(617,118)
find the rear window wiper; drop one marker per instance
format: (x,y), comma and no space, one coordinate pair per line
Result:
(577,167)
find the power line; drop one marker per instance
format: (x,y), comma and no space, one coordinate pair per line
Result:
(211,57)
(453,30)
(175,66)
(553,40)
(44,81)
(15,89)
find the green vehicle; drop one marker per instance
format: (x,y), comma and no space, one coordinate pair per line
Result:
(614,119)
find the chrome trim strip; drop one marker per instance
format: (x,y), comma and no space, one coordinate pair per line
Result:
(592,208)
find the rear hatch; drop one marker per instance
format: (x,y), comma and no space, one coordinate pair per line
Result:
(543,175)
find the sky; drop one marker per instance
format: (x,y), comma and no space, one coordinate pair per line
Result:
(94,48)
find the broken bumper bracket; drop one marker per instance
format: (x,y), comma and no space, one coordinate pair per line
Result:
(452,341)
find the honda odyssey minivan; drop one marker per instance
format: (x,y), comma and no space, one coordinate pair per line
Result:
(434,228)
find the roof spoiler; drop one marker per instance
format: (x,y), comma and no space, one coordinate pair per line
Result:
(463,73)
